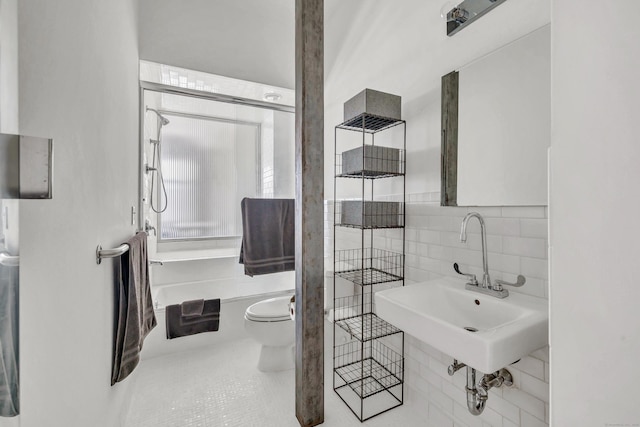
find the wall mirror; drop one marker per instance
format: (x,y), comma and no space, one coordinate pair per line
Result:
(496,126)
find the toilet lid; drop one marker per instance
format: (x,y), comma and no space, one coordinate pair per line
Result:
(271,310)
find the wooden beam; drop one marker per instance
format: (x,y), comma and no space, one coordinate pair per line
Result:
(449,164)
(309,356)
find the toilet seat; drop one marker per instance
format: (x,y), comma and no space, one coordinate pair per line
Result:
(269,310)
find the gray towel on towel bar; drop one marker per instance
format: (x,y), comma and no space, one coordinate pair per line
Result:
(134,317)
(178,325)
(268,236)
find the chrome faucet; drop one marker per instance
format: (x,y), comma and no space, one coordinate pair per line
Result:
(485,287)
(486,280)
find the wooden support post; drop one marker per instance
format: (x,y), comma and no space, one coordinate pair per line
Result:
(309,358)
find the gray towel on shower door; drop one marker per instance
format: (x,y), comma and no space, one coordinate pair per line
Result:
(134,317)
(9,343)
(268,236)
(180,325)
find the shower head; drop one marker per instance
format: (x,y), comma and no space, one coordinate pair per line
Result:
(163,120)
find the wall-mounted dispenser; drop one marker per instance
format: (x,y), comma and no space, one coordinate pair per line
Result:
(26,167)
(460,14)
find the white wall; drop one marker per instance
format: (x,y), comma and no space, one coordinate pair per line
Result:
(9,66)
(594,204)
(250,39)
(9,124)
(9,108)
(407,53)
(78,84)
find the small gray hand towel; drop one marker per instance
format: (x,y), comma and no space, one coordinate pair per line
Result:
(178,325)
(192,308)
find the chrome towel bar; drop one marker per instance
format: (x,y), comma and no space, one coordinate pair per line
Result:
(110,253)
(9,260)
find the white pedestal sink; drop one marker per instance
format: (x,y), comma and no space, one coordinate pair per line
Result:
(443,314)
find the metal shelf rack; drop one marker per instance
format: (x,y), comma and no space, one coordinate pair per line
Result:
(368,369)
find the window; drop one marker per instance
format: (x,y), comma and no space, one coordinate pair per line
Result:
(208,164)
(210,155)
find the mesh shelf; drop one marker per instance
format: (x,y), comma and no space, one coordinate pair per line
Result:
(367,327)
(378,369)
(369,266)
(369,123)
(368,276)
(355,314)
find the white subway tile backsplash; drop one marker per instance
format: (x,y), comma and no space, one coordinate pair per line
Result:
(411,234)
(531,366)
(504,263)
(433,378)
(429,236)
(524,401)
(503,226)
(466,258)
(422,386)
(524,212)
(461,413)
(422,249)
(452,239)
(438,355)
(534,267)
(487,211)
(454,211)
(505,408)
(439,368)
(534,287)
(440,252)
(420,408)
(490,417)
(440,399)
(454,391)
(534,228)
(439,223)
(413,209)
(535,387)
(437,418)
(542,354)
(416,221)
(528,420)
(508,423)
(523,246)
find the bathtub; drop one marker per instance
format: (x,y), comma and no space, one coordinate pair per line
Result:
(236,294)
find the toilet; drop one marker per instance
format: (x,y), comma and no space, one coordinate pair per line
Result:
(269,323)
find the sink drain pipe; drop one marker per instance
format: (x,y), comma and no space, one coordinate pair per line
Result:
(477,395)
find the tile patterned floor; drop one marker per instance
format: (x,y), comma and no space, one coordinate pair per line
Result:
(220,386)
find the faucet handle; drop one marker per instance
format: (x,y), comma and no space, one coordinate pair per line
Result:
(472,277)
(519,282)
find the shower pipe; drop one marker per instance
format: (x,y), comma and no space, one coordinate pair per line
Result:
(157,150)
